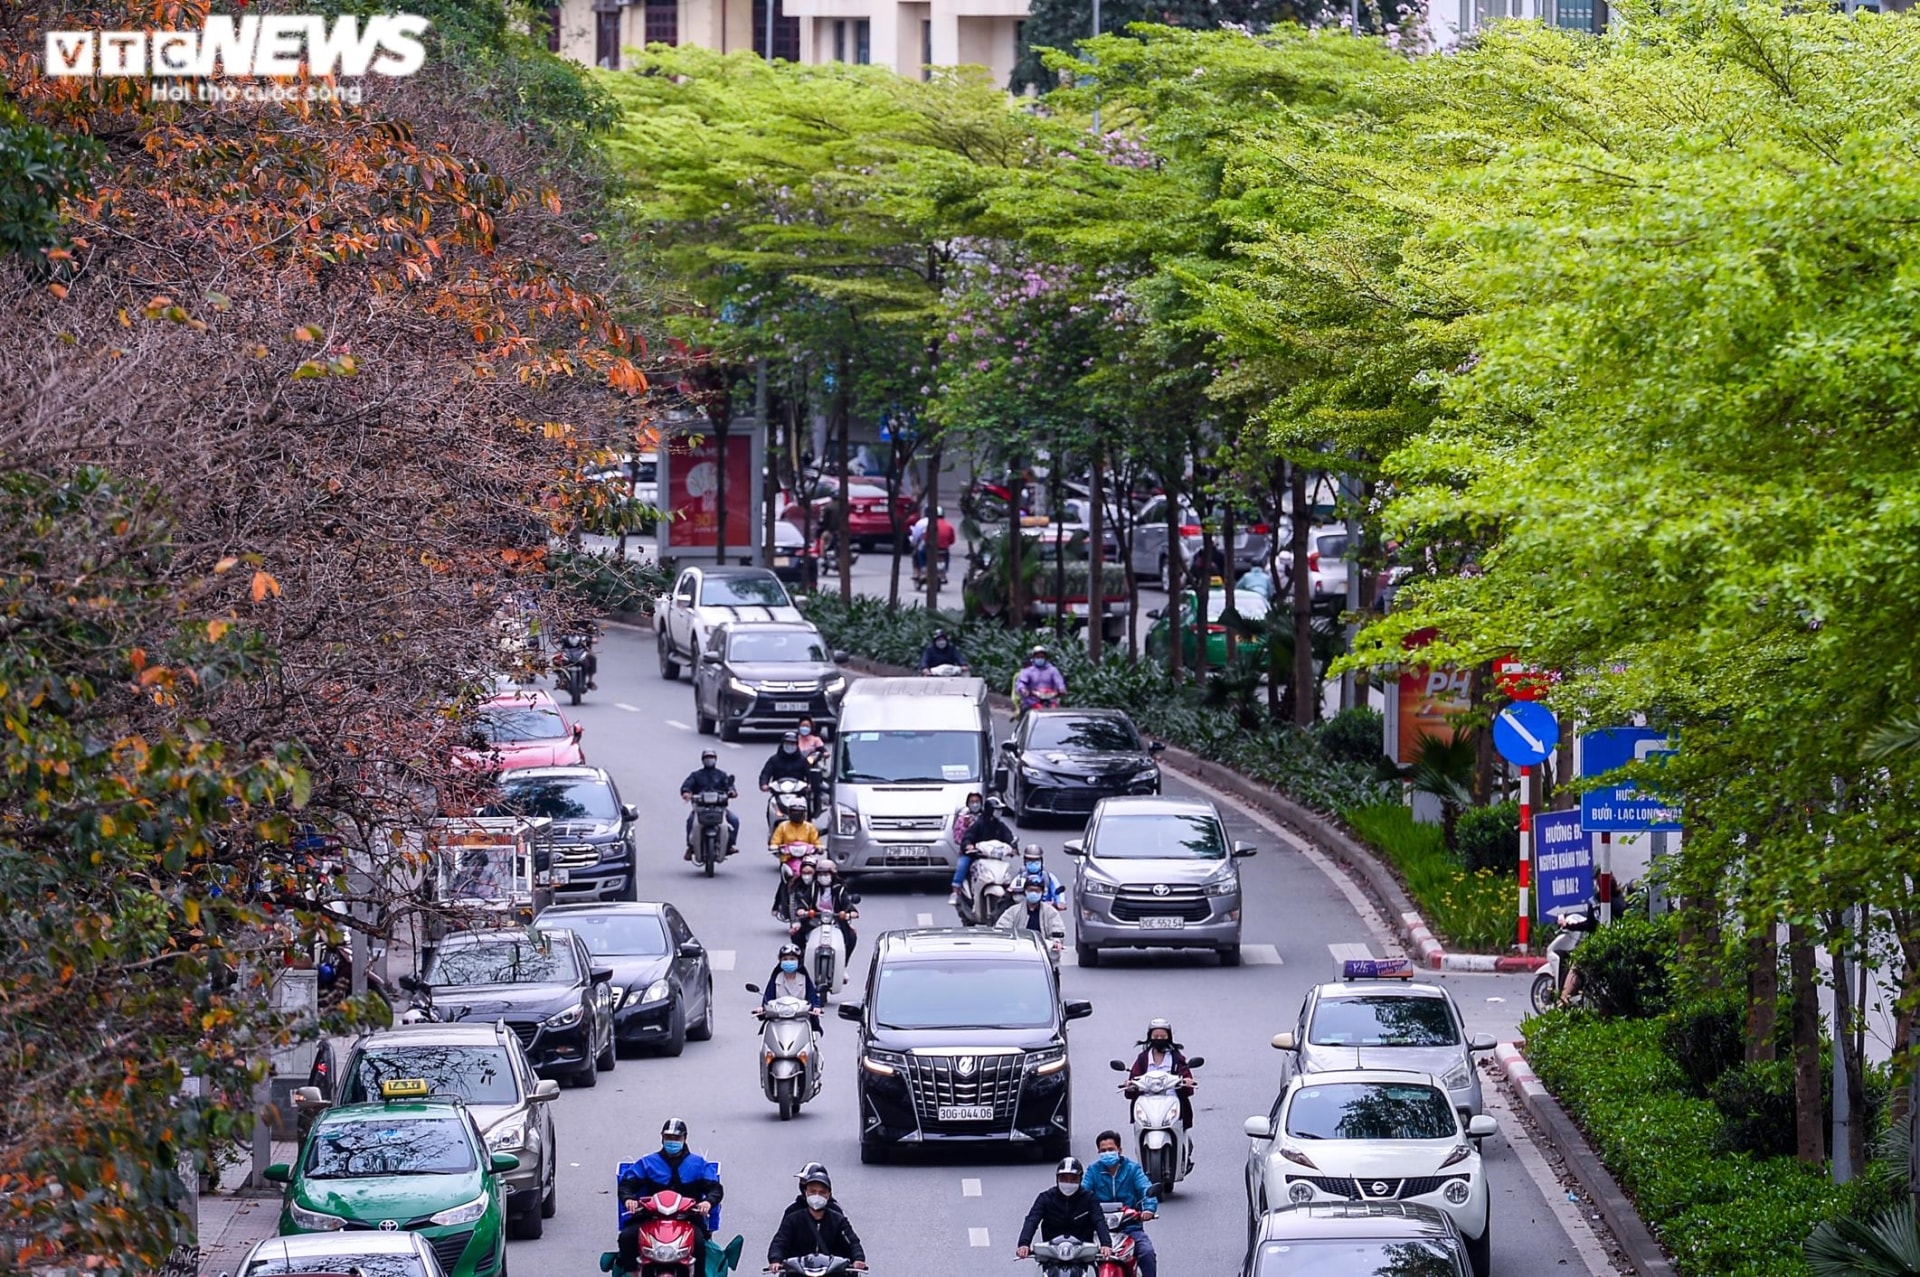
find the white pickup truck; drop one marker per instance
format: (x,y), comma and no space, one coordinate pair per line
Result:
(704,597)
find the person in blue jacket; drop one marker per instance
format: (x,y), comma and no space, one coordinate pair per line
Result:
(1113,1177)
(676,1167)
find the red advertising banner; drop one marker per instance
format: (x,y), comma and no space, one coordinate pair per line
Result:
(693,490)
(1428,700)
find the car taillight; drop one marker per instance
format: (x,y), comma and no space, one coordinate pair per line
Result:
(1259,529)
(1189,529)
(1313,561)
(1216,629)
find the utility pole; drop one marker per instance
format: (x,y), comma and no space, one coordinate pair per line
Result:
(1096,103)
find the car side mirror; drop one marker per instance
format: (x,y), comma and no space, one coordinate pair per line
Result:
(841,658)
(504,1162)
(1153,614)
(629,813)
(1158,746)
(753,988)
(308,1097)
(410,984)
(691,949)
(1479,1128)
(1259,1128)
(603,975)
(1118,1066)
(1244,849)
(1481,1042)
(280,1173)
(1283,1041)
(1074,846)
(710,657)
(579,730)
(1008,747)
(545,1091)
(852,1011)
(1196,1061)
(1079,1009)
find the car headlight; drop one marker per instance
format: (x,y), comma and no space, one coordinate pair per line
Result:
(836,685)
(1146,776)
(655,992)
(507,1136)
(1458,1076)
(1299,1191)
(1051,1060)
(1096,887)
(312,1220)
(1457,1191)
(846,822)
(566,1019)
(741,688)
(465,1213)
(885,1063)
(1031,774)
(1226,885)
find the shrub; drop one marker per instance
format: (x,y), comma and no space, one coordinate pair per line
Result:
(1624,967)
(1474,911)
(1755,1100)
(605,582)
(1706,1038)
(1355,735)
(1489,838)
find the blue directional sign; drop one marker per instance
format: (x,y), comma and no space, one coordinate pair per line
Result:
(1562,862)
(1623,809)
(1525,733)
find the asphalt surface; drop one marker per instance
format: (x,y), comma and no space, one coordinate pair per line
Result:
(956,1213)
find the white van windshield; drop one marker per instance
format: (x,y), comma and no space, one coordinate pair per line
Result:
(902,757)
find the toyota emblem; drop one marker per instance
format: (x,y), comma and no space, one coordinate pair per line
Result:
(1380,1187)
(389,1225)
(964,1066)
(1161,889)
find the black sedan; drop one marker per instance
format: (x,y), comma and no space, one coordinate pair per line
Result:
(662,980)
(548,989)
(766,676)
(1061,762)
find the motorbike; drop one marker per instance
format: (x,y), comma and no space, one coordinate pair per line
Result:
(823,953)
(712,834)
(334,966)
(570,665)
(669,1243)
(790,1072)
(945,562)
(1053,925)
(1575,926)
(816,1266)
(1045,698)
(1121,1262)
(817,764)
(792,858)
(1162,1146)
(420,1008)
(778,791)
(989,884)
(1065,1256)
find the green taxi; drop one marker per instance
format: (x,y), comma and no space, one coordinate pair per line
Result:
(413,1161)
(1251,649)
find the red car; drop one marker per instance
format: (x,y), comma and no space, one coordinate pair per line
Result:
(522,729)
(867,521)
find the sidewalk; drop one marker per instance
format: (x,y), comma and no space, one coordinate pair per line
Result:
(233,1220)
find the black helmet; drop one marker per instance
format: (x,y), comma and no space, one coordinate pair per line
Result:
(1069,1166)
(995,805)
(789,950)
(790,738)
(673,1129)
(939,635)
(815,1173)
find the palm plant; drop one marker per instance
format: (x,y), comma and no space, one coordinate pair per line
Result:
(1443,768)
(1898,738)
(1886,1246)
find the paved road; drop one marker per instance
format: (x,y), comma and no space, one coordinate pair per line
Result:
(957,1214)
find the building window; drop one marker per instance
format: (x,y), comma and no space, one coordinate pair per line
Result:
(663,21)
(862,42)
(553,28)
(1019,41)
(839,40)
(786,32)
(926,48)
(606,36)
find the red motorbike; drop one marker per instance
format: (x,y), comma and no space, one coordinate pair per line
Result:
(669,1242)
(1120,1261)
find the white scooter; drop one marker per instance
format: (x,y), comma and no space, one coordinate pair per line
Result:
(823,954)
(790,1071)
(1575,925)
(1162,1145)
(989,884)
(1053,925)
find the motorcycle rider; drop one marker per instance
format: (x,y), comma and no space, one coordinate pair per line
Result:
(819,891)
(675,1167)
(1034,866)
(1115,1178)
(1163,1053)
(941,651)
(709,777)
(787,763)
(935,529)
(579,646)
(813,748)
(809,741)
(1064,1211)
(963,821)
(789,981)
(814,1224)
(1040,675)
(986,827)
(794,827)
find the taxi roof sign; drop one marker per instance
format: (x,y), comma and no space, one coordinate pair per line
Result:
(404,1088)
(1376,969)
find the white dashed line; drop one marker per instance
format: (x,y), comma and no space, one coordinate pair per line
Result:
(631,709)
(721,959)
(977,1237)
(732,744)
(969,1188)
(1345,953)
(1259,955)
(674,722)
(924,919)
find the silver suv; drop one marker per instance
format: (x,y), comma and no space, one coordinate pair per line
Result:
(483,1065)
(1157,873)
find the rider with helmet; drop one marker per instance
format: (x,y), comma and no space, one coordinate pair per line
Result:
(1065,1211)
(1034,867)
(794,827)
(709,778)
(941,651)
(675,1167)
(820,892)
(986,826)
(787,763)
(789,980)
(1162,1053)
(814,1224)
(1040,676)
(1114,1177)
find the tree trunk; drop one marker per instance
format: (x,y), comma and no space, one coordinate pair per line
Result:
(1061,619)
(1305,712)
(1097,556)
(1202,594)
(1016,552)
(934,459)
(843,424)
(1485,760)
(1226,585)
(1763,993)
(1277,491)
(1844,945)
(1809,1139)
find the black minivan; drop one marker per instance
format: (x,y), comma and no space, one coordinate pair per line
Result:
(963,1038)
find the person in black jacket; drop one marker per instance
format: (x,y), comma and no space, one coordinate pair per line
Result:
(1065,1211)
(786,763)
(814,1224)
(709,778)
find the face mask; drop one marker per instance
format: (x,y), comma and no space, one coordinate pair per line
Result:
(1068,1187)
(789,749)
(817,1201)
(1034,867)
(1160,1044)
(789,965)
(1039,662)
(939,642)
(973,808)
(1033,897)
(672,1147)
(1108,1159)
(806,729)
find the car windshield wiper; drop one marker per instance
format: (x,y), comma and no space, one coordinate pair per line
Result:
(859,778)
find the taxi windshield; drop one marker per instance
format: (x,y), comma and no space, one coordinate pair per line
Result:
(370,1147)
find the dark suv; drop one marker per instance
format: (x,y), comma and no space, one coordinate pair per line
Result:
(963,1038)
(593,831)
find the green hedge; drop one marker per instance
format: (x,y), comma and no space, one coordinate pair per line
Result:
(1474,909)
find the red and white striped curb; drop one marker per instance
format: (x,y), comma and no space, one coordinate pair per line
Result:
(1430,953)
(1519,1072)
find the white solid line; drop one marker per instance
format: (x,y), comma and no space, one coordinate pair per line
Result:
(721,959)
(977,1237)
(631,709)
(1573,1220)
(969,1188)
(1259,955)
(924,919)
(674,722)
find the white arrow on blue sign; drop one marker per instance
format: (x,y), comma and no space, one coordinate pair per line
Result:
(1525,733)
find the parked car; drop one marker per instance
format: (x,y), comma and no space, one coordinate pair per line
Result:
(1387,1024)
(1373,1135)
(868,523)
(1157,873)
(401,1253)
(593,831)
(545,986)
(1064,761)
(483,1065)
(704,597)
(662,978)
(1356,1239)
(410,1156)
(963,1040)
(522,728)
(761,677)
(1249,649)
(1151,559)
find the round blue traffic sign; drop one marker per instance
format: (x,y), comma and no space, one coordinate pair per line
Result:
(1525,732)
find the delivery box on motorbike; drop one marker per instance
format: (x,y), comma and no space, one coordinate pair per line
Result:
(489,871)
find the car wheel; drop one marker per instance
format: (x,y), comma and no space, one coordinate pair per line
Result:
(676,1028)
(1087,955)
(1480,1249)
(703,1031)
(701,723)
(604,1062)
(729,730)
(669,668)
(1230,955)
(550,1200)
(588,1075)
(527,1225)
(873,1153)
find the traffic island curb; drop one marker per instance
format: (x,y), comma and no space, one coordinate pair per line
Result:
(1433,955)
(1630,1232)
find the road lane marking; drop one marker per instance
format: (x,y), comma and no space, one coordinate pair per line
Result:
(1572,1220)
(924,919)
(969,1188)
(631,709)
(721,959)
(977,1237)
(674,722)
(1260,955)
(733,744)
(1345,953)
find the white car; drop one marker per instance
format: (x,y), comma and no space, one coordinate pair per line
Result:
(704,597)
(400,1253)
(1372,1135)
(1389,1024)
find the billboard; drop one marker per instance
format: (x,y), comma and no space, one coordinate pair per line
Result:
(691,491)
(1427,703)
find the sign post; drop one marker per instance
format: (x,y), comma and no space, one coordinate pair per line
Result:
(1525,734)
